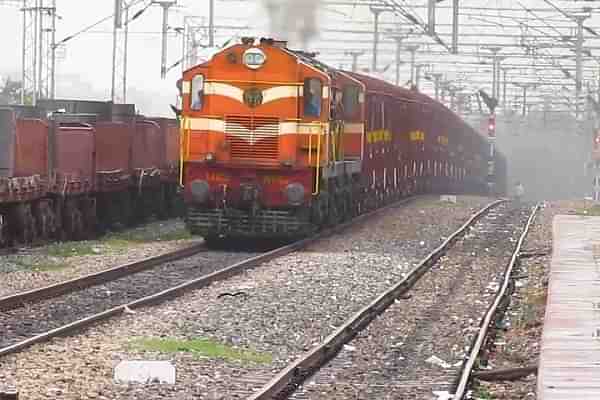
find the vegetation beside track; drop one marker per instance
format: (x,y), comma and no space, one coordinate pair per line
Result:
(201,347)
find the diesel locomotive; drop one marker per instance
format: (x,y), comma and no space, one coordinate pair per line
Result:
(275,143)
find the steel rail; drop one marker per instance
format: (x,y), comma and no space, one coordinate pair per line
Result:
(465,376)
(294,374)
(197,283)
(35,295)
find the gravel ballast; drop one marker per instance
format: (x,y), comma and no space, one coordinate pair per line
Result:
(417,346)
(280,309)
(518,343)
(32,268)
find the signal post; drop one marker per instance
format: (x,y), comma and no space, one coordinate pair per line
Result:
(596,165)
(491,175)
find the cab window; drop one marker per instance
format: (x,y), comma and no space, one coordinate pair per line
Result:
(350,100)
(197,95)
(313,91)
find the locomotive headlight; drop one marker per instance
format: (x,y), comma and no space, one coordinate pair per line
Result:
(200,191)
(295,194)
(210,157)
(254,58)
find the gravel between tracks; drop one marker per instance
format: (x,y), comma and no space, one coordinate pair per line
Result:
(34,319)
(306,294)
(32,268)
(392,358)
(518,345)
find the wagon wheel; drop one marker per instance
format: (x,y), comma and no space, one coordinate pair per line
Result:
(78,225)
(125,209)
(89,217)
(42,220)
(73,222)
(4,234)
(26,224)
(161,203)
(334,213)
(344,204)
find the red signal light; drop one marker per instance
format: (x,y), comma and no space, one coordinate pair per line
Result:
(492,127)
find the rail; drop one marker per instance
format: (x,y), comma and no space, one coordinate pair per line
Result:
(20,299)
(311,361)
(465,377)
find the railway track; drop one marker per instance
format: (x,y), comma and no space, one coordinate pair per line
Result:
(64,308)
(431,326)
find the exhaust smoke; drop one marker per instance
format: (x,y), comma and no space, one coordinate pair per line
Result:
(293,20)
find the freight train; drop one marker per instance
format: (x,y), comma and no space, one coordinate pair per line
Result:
(278,144)
(69,168)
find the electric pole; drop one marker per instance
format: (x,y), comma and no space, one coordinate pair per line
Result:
(431,17)
(524,87)
(498,79)
(418,68)
(165,27)
(579,63)
(376,12)
(354,55)
(398,37)
(504,82)
(412,49)
(455,27)
(495,73)
(437,76)
(211,23)
(38,51)
(118,91)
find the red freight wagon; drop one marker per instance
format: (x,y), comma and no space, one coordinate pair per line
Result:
(147,146)
(31,148)
(113,172)
(170,144)
(66,162)
(71,177)
(147,155)
(22,166)
(73,158)
(113,143)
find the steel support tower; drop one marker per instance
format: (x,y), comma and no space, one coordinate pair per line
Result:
(38,74)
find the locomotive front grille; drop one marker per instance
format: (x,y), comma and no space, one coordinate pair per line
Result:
(252,137)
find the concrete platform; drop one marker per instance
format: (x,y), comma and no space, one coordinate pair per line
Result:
(570,354)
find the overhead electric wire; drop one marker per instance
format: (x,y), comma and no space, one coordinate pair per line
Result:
(95,24)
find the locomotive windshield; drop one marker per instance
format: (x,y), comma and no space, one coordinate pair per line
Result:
(312,97)
(350,100)
(197,92)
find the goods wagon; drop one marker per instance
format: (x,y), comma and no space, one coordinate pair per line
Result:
(278,144)
(69,168)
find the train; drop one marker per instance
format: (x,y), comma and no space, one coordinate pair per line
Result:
(70,169)
(276,144)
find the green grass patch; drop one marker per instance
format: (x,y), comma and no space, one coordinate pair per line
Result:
(70,249)
(147,235)
(201,347)
(41,266)
(482,393)
(50,266)
(593,211)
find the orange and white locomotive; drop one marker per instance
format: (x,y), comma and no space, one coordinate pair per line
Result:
(277,144)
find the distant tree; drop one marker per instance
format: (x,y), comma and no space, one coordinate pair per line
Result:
(10,92)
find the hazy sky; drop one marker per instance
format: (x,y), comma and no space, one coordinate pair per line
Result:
(90,54)
(88,57)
